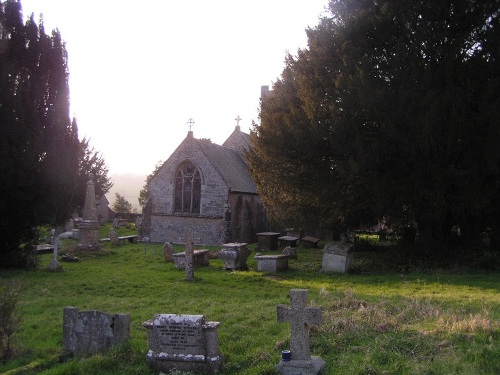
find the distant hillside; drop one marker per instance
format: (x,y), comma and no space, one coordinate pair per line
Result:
(128,185)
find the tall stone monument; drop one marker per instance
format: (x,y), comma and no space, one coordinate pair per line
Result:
(88,229)
(301,317)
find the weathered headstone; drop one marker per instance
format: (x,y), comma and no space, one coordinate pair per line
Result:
(88,228)
(235,256)
(92,332)
(116,223)
(168,252)
(301,317)
(183,343)
(113,236)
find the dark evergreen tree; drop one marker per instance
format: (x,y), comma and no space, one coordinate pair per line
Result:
(392,110)
(39,144)
(91,161)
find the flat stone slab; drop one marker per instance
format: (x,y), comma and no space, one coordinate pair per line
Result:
(200,258)
(316,365)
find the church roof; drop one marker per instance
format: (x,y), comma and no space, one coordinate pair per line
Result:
(238,140)
(230,165)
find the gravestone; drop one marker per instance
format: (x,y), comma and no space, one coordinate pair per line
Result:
(301,317)
(235,256)
(290,251)
(113,236)
(54,264)
(183,343)
(337,257)
(92,332)
(88,228)
(168,252)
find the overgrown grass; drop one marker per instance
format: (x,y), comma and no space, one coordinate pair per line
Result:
(404,322)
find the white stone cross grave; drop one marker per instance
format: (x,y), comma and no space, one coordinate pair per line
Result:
(301,317)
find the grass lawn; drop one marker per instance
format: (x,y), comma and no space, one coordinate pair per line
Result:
(374,323)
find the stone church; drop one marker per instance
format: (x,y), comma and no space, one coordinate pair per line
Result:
(206,187)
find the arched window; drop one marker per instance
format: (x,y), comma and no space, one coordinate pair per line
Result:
(187,189)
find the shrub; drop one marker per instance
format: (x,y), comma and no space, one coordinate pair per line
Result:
(9,321)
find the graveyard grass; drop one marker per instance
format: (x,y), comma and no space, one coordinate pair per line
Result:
(417,322)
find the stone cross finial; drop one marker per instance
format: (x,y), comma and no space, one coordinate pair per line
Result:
(300,316)
(238,119)
(190,123)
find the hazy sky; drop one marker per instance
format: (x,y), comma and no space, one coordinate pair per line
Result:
(140,69)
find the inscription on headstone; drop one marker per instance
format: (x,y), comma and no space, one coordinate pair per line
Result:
(184,343)
(180,334)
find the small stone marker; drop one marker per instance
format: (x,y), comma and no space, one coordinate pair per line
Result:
(168,252)
(113,236)
(183,343)
(92,332)
(301,317)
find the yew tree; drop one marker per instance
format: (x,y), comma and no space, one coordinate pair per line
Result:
(391,111)
(39,144)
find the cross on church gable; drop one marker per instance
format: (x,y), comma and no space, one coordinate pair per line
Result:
(300,316)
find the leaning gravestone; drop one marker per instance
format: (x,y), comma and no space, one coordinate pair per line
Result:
(92,332)
(301,317)
(113,236)
(183,343)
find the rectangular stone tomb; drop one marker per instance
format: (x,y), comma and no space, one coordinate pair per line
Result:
(235,256)
(267,240)
(309,242)
(200,258)
(288,241)
(92,332)
(337,257)
(272,263)
(183,343)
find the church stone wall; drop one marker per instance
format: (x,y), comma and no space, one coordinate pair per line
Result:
(209,226)
(213,188)
(206,231)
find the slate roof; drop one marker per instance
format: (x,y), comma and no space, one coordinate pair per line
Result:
(230,165)
(238,140)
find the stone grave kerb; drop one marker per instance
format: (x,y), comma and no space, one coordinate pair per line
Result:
(301,317)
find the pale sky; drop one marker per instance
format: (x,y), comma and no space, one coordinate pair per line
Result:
(139,70)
